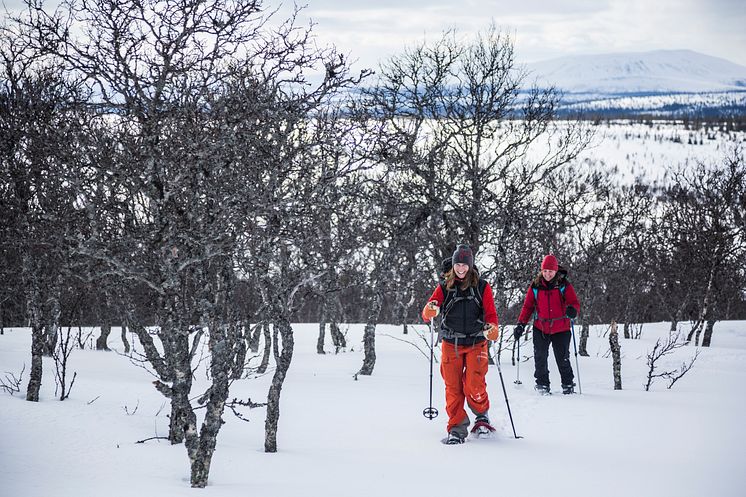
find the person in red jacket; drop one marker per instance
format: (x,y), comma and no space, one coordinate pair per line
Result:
(468,321)
(552,301)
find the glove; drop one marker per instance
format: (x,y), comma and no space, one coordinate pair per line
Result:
(491,332)
(571,312)
(431,310)
(518,331)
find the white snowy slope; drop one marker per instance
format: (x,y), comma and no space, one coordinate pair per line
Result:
(660,71)
(339,437)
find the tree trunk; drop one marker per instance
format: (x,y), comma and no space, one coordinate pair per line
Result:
(404,308)
(338,338)
(267,348)
(103,337)
(627,334)
(708,333)
(322,330)
(124,339)
(369,337)
(183,425)
(616,356)
(704,315)
(222,367)
(164,370)
(37,351)
(273,398)
(254,336)
(584,332)
(37,343)
(696,327)
(52,320)
(674,325)
(237,336)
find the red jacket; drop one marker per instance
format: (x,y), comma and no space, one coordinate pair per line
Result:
(551,305)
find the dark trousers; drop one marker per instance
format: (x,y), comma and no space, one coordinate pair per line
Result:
(561,345)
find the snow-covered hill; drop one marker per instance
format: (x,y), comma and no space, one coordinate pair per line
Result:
(660,71)
(666,83)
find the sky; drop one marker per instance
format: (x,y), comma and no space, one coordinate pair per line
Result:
(370,31)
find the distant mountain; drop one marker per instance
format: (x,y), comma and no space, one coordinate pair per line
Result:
(657,72)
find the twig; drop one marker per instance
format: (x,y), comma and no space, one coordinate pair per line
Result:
(232,405)
(151,438)
(410,343)
(13,384)
(662,348)
(126,410)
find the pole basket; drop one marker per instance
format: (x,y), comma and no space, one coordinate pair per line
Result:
(430,413)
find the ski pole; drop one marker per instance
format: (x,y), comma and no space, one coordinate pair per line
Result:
(518,364)
(505,393)
(577,365)
(431,412)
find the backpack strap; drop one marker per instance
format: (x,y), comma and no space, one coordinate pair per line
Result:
(536,292)
(450,296)
(478,294)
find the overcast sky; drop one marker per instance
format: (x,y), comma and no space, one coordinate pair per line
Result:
(370,30)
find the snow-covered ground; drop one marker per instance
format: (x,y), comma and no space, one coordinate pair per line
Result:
(340,437)
(655,150)
(669,104)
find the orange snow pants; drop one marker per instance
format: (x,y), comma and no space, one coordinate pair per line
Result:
(464,369)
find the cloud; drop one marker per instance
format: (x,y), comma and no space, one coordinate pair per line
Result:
(372,30)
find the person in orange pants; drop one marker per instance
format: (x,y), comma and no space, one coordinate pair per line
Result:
(468,320)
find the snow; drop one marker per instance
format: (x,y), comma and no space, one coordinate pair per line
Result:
(652,151)
(340,437)
(668,105)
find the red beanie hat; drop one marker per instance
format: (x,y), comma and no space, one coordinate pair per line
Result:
(549,262)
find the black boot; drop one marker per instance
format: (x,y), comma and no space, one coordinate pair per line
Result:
(453,438)
(543,389)
(568,389)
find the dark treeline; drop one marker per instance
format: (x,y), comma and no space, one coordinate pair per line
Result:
(201,171)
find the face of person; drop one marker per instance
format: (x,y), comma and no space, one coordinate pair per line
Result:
(460,269)
(548,274)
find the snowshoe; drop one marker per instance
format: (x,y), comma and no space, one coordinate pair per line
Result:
(453,438)
(543,389)
(568,389)
(482,427)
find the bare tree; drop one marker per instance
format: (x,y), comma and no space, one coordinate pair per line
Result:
(40,118)
(61,355)
(465,151)
(197,102)
(702,217)
(591,228)
(661,349)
